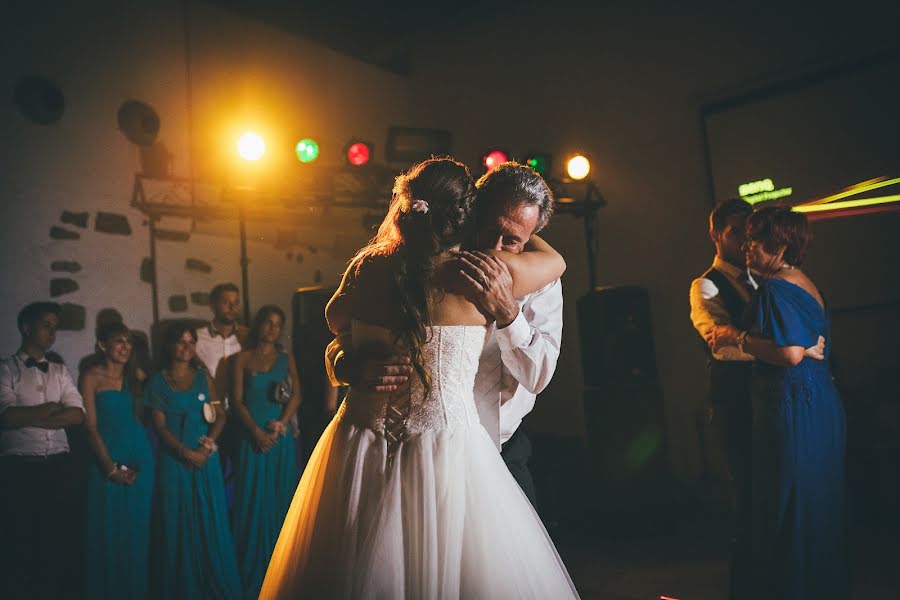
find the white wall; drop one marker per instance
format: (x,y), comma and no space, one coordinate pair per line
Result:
(245,75)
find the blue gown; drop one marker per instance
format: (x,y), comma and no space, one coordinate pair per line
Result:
(799,540)
(118,516)
(265,481)
(194,553)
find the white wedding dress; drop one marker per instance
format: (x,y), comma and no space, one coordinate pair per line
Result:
(407,497)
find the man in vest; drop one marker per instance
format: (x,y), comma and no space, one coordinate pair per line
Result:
(718,300)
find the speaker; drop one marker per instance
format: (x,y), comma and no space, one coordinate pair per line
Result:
(628,455)
(310,337)
(616,336)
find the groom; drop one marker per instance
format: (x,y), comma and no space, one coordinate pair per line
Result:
(519,359)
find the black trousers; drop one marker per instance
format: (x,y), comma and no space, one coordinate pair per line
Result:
(41,524)
(733,426)
(516,452)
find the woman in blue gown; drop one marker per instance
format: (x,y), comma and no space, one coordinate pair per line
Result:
(120,480)
(194,553)
(799,540)
(266,465)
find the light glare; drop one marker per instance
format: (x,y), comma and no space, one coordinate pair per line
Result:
(578,167)
(251,146)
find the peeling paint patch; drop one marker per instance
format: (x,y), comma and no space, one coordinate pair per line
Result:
(78,219)
(58,233)
(112,223)
(68,266)
(195,264)
(178,303)
(62,285)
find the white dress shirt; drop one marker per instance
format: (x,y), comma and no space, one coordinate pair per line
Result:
(518,362)
(212,347)
(29,386)
(708,309)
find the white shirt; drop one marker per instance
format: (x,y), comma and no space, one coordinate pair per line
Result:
(29,386)
(518,362)
(708,309)
(212,347)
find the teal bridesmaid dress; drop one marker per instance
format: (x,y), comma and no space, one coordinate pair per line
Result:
(194,555)
(265,481)
(118,516)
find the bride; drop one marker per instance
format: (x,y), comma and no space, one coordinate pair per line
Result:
(405,495)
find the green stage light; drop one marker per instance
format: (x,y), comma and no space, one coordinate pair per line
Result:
(307,150)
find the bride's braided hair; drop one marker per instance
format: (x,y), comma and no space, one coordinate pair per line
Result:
(431,207)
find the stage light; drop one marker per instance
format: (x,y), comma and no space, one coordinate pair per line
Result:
(540,162)
(493,158)
(251,146)
(578,167)
(359,153)
(307,150)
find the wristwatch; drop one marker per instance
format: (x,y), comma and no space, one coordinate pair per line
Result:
(741,338)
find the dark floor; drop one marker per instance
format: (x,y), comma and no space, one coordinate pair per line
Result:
(686,569)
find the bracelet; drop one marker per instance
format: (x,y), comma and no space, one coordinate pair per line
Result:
(114,469)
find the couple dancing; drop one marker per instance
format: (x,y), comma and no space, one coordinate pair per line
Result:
(406,494)
(776,409)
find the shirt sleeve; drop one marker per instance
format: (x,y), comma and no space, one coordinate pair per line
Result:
(707,311)
(69,395)
(529,346)
(7,393)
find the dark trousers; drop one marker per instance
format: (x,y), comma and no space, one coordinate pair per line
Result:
(516,452)
(40,527)
(733,426)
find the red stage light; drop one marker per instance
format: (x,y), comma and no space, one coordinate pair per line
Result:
(494,158)
(359,153)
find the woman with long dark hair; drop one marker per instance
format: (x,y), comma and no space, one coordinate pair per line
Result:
(120,480)
(194,555)
(799,541)
(265,395)
(405,495)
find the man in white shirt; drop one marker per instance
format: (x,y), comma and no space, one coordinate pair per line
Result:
(38,399)
(223,336)
(520,357)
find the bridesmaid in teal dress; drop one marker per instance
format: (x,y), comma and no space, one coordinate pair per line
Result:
(266,466)
(799,538)
(120,480)
(194,553)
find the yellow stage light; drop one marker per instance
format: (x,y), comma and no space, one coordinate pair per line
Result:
(578,167)
(251,146)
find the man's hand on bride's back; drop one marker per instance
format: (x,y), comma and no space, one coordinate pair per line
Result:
(380,374)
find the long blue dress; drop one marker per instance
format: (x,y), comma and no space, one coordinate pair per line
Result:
(118,516)
(265,481)
(194,553)
(799,541)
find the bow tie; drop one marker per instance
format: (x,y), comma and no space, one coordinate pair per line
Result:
(42,365)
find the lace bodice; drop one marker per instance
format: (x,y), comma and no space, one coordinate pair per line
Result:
(451,356)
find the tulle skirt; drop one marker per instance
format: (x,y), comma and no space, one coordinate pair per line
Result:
(439,516)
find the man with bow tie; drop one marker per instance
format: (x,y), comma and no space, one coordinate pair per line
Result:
(718,300)
(38,477)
